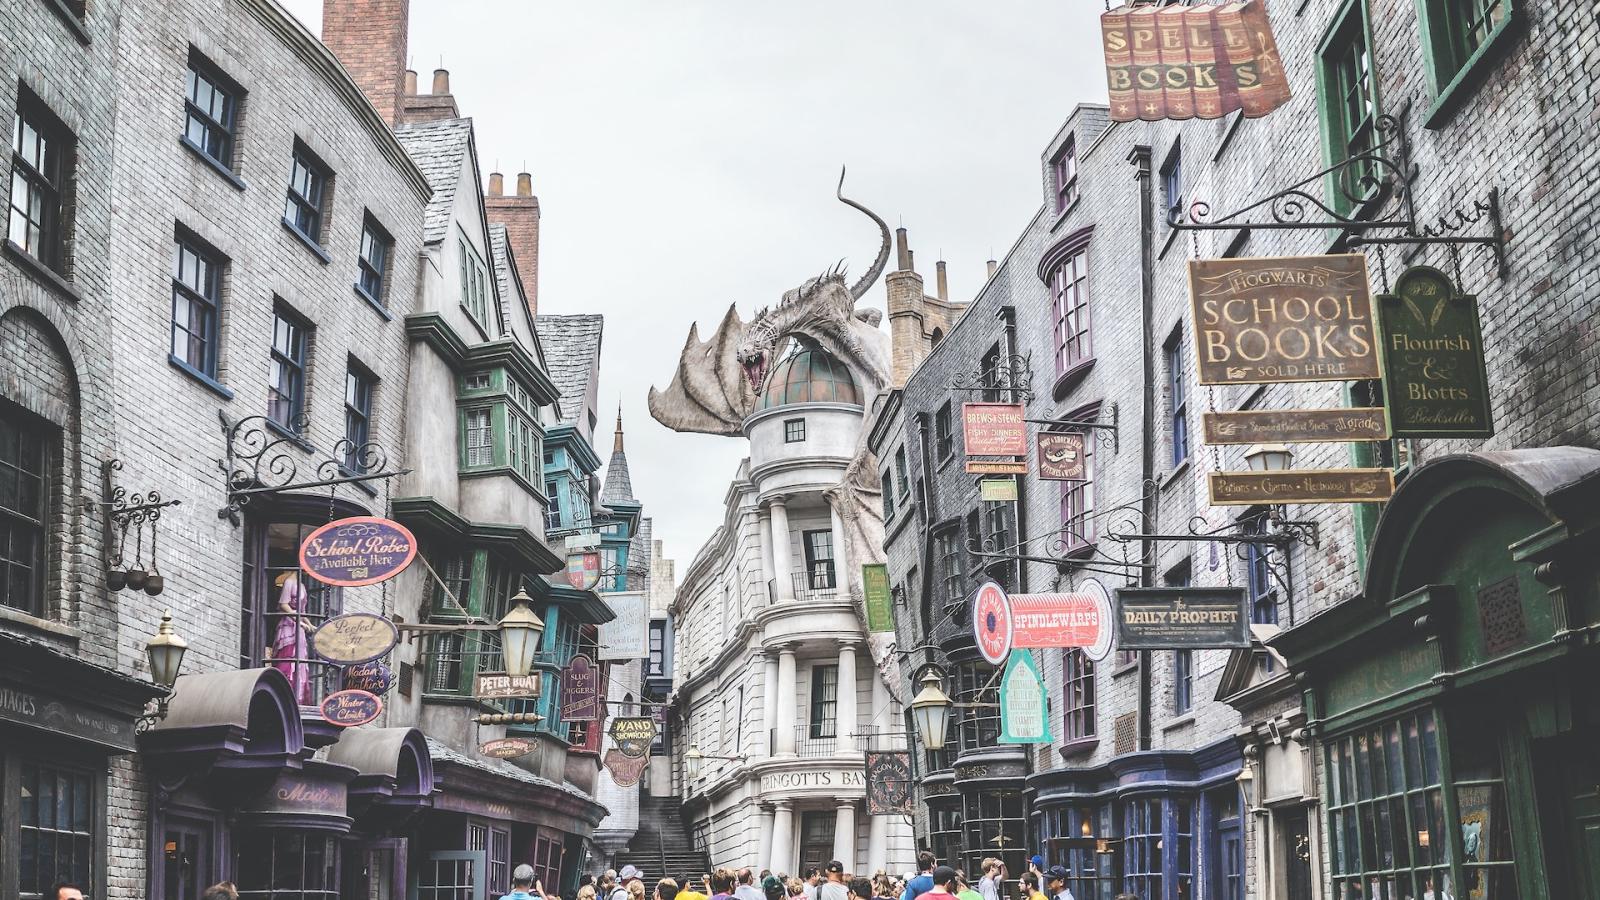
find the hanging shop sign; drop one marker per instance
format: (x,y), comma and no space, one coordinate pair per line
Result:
(633,734)
(500,686)
(587,540)
(1434,379)
(350,708)
(508,747)
(358,550)
(583,569)
(996,467)
(1292,426)
(1001,623)
(1181,618)
(889,783)
(1284,318)
(1024,718)
(373,677)
(1301,486)
(625,770)
(580,691)
(998,490)
(354,638)
(628,635)
(875,586)
(1061,456)
(1192,62)
(994,429)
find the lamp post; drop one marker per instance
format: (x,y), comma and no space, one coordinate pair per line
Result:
(520,631)
(165,654)
(930,709)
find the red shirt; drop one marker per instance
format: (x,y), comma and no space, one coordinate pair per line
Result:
(936,895)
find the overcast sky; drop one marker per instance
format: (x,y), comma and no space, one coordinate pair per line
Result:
(685,155)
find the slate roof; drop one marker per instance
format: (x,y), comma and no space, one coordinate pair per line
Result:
(571,352)
(439,149)
(500,250)
(619,483)
(443,753)
(639,557)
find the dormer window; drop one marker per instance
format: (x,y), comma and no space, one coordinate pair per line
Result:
(1064,176)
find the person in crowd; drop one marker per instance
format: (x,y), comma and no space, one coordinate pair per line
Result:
(65,890)
(923,883)
(861,889)
(522,879)
(746,888)
(722,884)
(1055,879)
(813,878)
(625,880)
(1036,866)
(222,890)
(944,882)
(994,875)
(796,887)
(883,887)
(693,887)
(963,887)
(772,887)
(636,889)
(1030,886)
(666,889)
(834,888)
(606,885)
(586,892)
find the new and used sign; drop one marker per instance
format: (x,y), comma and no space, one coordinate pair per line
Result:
(580,691)
(1292,426)
(1024,715)
(633,734)
(357,551)
(500,686)
(875,585)
(1192,62)
(1061,456)
(1001,623)
(1301,486)
(1281,319)
(889,783)
(1181,618)
(354,638)
(1434,379)
(994,429)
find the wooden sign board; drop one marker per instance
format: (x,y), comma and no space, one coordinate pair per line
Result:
(1063,456)
(996,467)
(997,490)
(354,638)
(1434,379)
(1272,320)
(500,686)
(889,783)
(508,747)
(357,551)
(1191,62)
(1301,486)
(1295,426)
(1182,618)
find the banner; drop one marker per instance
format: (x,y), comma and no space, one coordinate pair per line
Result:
(1271,320)
(625,770)
(580,691)
(889,783)
(1434,379)
(633,734)
(1062,455)
(628,635)
(994,429)
(1001,623)
(1295,426)
(1301,486)
(1024,713)
(1192,62)
(1182,618)
(875,585)
(358,550)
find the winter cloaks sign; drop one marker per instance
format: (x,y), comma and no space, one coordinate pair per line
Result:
(1192,62)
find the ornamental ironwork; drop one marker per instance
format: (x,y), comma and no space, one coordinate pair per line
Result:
(136,512)
(260,460)
(997,376)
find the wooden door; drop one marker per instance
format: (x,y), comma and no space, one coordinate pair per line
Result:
(816,840)
(1296,857)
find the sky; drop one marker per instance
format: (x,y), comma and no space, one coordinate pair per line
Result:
(685,154)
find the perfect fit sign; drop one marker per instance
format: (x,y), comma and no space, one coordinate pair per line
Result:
(1281,319)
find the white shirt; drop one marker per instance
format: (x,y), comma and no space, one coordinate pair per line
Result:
(1066,894)
(988,888)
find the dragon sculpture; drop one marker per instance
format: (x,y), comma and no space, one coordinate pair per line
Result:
(719,380)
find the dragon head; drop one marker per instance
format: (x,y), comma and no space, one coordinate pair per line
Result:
(757,348)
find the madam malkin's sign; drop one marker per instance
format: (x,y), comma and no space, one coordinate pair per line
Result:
(1434,379)
(1282,319)
(1186,618)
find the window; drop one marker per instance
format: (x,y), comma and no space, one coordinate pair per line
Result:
(999,515)
(1456,34)
(358,384)
(794,431)
(26,445)
(1064,175)
(281,864)
(1177,400)
(995,825)
(1069,298)
(1077,497)
(552,515)
(547,851)
(524,445)
(499,861)
(1349,102)
(211,110)
(944,830)
(478,381)
(900,472)
(196,306)
(308,183)
(41,150)
(824,701)
(1172,182)
(479,437)
(943,433)
(56,820)
(1079,719)
(1142,845)
(656,662)
(286,381)
(1227,867)
(1091,875)
(819,559)
(976,683)
(952,580)
(989,369)
(1263,598)
(269,635)
(1182,681)
(374,262)
(474,284)
(888,494)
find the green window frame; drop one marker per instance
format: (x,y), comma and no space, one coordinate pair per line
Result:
(1347,99)
(1460,43)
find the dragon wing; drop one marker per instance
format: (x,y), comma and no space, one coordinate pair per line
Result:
(708,393)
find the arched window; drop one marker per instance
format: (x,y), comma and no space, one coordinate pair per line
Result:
(1065,269)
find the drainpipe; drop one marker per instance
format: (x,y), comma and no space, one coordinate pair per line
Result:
(1140,158)
(1008,327)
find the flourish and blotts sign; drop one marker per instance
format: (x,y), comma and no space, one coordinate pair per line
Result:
(350,708)
(354,638)
(357,551)
(1434,378)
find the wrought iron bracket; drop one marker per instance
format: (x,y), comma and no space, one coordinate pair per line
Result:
(124,508)
(1073,546)
(1010,373)
(258,462)
(154,713)
(1271,546)
(1105,433)
(1369,196)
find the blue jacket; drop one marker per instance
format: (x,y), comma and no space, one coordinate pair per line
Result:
(918,886)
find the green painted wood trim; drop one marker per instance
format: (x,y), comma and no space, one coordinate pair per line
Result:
(512,356)
(566,437)
(432,329)
(517,540)
(1439,57)
(1334,129)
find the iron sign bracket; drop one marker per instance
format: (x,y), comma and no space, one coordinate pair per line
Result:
(1105,433)
(257,462)
(1271,546)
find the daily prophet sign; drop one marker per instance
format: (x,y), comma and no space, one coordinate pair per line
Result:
(1181,618)
(1191,62)
(1279,319)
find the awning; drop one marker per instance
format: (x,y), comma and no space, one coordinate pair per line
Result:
(246,719)
(495,789)
(394,770)
(52,692)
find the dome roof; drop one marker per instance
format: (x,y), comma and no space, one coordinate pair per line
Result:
(809,376)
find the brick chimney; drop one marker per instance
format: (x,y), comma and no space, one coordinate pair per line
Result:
(369,38)
(520,216)
(431,107)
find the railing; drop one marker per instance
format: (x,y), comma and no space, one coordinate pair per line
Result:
(815,585)
(821,740)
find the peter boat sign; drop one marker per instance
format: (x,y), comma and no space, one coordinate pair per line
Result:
(1301,486)
(357,551)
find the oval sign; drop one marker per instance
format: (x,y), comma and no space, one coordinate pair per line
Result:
(354,638)
(507,748)
(991,623)
(348,709)
(1101,647)
(373,677)
(358,550)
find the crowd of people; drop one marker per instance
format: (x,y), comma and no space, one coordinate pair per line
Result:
(830,882)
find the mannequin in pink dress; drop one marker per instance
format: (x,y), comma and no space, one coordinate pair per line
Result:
(289,637)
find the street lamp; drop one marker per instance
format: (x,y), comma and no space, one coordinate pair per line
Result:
(1247,784)
(520,631)
(165,653)
(930,709)
(1268,457)
(692,759)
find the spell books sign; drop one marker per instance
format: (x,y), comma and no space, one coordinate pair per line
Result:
(1001,623)
(1191,62)
(357,551)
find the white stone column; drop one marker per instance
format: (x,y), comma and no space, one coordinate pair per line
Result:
(877,844)
(765,838)
(884,717)
(769,708)
(841,555)
(782,567)
(764,531)
(844,834)
(782,838)
(785,703)
(845,740)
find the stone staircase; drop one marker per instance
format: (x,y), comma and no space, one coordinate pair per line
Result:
(662,842)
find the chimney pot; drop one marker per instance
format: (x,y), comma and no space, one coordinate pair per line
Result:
(524,184)
(903,257)
(411,82)
(497,184)
(441,81)
(993,267)
(911,260)
(944,287)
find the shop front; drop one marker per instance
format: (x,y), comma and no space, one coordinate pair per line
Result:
(1451,705)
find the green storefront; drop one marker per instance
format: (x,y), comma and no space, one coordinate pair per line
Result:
(1455,706)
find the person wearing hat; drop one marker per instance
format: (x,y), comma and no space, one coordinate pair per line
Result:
(834,888)
(521,884)
(1056,882)
(628,873)
(772,887)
